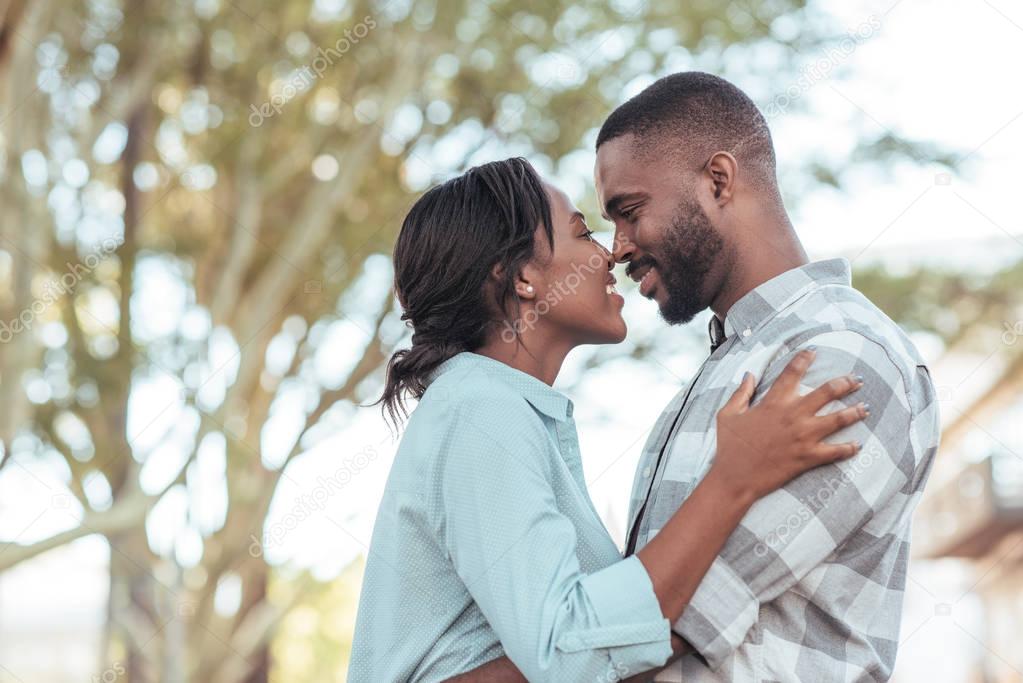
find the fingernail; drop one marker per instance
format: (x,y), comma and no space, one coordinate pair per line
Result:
(747,375)
(811,349)
(859,446)
(866,409)
(859,378)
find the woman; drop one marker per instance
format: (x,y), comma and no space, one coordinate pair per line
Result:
(486,542)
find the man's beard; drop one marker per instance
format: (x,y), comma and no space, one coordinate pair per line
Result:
(688,251)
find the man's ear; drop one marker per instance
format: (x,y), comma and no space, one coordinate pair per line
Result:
(523,284)
(722,169)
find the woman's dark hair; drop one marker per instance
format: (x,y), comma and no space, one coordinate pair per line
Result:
(448,246)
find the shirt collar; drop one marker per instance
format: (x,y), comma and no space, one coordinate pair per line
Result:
(716,332)
(764,302)
(540,395)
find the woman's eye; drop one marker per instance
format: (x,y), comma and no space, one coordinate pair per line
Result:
(588,235)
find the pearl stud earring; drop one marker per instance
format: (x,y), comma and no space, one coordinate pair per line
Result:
(529,289)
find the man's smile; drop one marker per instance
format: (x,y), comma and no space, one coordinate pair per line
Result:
(642,270)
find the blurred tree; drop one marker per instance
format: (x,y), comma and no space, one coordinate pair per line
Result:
(314,639)
(974,314)
(193,193)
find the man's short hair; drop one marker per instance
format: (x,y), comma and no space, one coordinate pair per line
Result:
(696,114)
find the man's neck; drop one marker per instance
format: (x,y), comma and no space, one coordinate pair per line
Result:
(774,251)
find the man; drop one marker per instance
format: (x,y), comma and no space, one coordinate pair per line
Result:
(810,586)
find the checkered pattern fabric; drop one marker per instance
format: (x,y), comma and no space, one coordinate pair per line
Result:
(810,586)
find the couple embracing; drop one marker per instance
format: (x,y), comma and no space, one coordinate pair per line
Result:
(769,524)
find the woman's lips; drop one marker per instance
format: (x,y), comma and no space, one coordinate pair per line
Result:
(612,292)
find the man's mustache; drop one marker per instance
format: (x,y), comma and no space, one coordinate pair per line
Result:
(641,262)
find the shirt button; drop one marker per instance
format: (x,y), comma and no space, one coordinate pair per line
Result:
(646,472)
(747,332)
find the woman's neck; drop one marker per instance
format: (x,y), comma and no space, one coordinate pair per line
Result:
(541,358)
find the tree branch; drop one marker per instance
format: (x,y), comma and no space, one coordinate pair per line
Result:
(244,235)
(252,634)
(123,515)
(372,356)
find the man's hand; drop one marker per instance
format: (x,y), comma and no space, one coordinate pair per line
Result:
(679,647)
(500,670)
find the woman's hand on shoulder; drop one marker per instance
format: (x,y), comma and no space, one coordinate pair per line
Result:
(761,447)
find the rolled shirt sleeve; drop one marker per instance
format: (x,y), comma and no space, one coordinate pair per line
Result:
(789,532)
(516,553)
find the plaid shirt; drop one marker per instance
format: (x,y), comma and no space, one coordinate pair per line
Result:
(809,586)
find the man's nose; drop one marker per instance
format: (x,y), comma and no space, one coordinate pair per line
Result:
(623,247)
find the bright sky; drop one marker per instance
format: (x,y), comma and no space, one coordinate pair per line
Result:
(936,71)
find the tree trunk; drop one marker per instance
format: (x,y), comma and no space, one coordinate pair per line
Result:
(133,609)
(254,594)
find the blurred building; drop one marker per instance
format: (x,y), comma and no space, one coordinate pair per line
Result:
(973,507)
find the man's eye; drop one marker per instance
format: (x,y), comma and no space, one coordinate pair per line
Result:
(627,214)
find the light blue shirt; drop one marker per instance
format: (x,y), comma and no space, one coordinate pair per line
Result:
(487,543)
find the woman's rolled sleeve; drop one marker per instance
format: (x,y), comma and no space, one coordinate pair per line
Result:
(632,626)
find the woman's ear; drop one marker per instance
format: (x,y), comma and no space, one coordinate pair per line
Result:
(525,291)
(523,284)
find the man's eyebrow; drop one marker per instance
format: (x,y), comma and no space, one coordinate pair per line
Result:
(613,205)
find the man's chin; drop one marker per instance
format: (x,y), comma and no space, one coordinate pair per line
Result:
(677,312)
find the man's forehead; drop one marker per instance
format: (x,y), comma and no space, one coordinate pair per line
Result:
(615,157)
(620,170)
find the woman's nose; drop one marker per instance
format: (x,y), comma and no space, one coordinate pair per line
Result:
(609,256)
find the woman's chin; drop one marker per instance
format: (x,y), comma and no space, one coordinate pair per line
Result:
(611,330)
(612,335)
